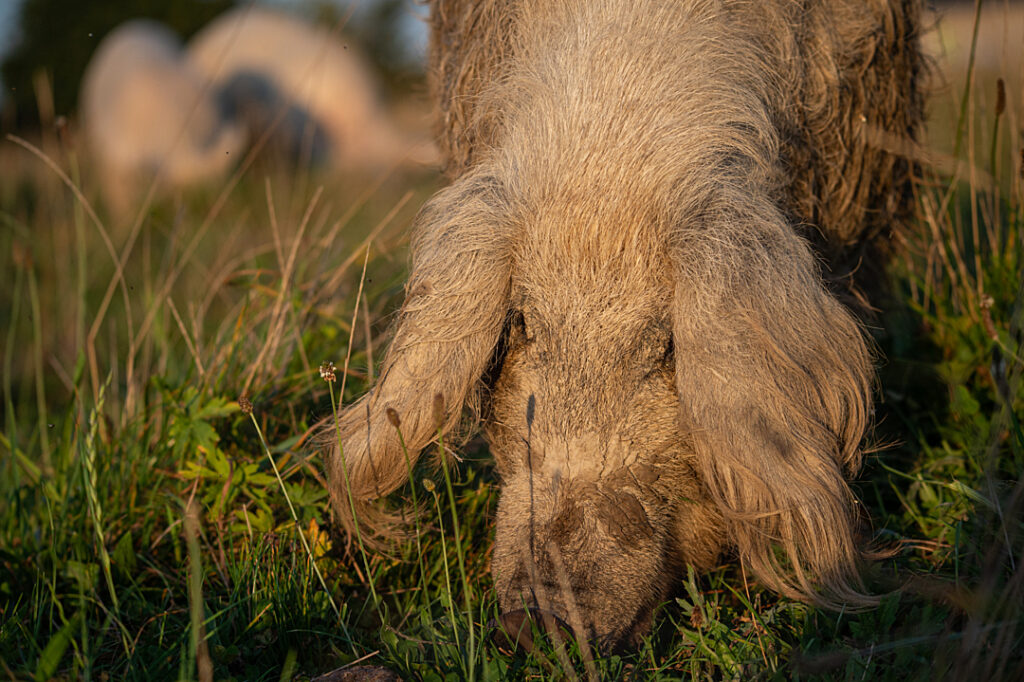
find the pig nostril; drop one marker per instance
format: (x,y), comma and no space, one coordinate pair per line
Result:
(514,631)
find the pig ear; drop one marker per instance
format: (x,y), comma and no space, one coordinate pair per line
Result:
(455,306)
(773,376)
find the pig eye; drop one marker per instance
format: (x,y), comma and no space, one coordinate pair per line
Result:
(664,349)
(517,332)
(518,320)
(656,346)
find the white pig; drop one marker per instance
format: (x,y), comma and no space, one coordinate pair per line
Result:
(148,116)
(313,92)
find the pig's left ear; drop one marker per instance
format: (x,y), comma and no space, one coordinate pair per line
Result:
(774,380)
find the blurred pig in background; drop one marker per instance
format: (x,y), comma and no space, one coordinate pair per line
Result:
(155,111)
(311,95)
(148,116)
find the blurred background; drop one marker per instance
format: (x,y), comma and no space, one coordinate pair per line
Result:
(55,39)
(333,85)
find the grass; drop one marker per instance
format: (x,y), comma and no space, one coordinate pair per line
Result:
(152,528)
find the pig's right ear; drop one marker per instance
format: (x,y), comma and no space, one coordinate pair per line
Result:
(774,381)
(446,333)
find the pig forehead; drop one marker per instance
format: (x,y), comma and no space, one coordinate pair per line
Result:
(581,277)
(580,301)
(593,324)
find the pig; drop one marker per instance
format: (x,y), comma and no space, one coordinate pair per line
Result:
(146,115)
(645,282)
(313,95)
